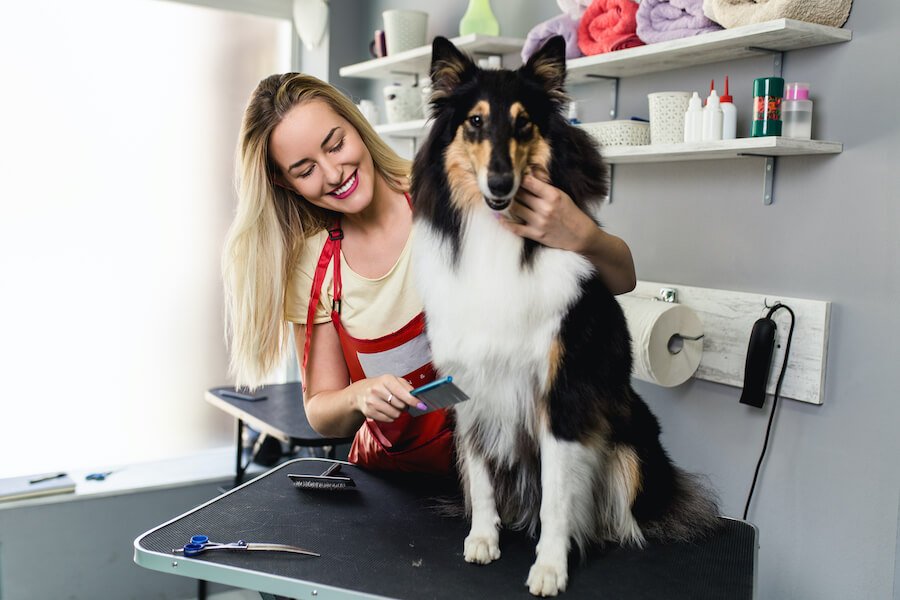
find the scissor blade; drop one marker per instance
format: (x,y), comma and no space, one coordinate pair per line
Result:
(280,548)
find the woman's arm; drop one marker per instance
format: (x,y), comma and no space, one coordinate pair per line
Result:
(549,216)
(334,406)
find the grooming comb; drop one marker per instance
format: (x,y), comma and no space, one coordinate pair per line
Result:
(436,395)
(330,479)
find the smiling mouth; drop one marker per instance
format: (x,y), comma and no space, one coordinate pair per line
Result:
(347,187)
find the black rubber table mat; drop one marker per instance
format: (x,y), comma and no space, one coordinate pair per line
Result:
(390,537)
(281,410)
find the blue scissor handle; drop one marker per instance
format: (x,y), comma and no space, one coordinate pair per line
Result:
(193,549)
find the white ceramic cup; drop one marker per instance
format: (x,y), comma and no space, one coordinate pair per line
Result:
(667,116)
(404,29)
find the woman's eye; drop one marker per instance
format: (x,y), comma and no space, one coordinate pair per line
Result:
(475,121)
(339,145)
(306,173)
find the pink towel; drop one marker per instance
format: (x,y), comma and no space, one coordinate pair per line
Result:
(562,25)
(608,25)
(663,20)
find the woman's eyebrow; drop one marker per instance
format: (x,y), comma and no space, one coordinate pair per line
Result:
(322,145)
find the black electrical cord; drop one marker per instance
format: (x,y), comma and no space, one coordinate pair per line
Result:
(787,351)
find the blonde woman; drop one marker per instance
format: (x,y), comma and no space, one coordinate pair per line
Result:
(320,244)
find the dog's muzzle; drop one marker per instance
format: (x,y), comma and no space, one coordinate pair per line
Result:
(501,188)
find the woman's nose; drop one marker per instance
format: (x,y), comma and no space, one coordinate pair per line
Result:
(332,172)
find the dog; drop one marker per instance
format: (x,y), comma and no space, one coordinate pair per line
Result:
(554,439)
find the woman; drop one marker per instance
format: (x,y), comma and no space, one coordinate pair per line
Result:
(321,241)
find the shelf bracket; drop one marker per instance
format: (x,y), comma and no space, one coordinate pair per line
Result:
(614,93)
(769,173)
(609,197)
(777,59)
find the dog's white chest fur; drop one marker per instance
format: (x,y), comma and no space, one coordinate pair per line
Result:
(492,321)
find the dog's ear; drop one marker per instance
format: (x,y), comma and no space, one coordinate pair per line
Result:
(548,67)
(449,67)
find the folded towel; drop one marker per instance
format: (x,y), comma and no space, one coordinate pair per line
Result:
(608,25)
(562,25)
(573,8)
(663,20)
(735,13)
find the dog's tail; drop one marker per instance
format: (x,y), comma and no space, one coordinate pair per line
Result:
(692,514)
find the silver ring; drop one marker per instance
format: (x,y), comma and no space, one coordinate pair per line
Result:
(389,398)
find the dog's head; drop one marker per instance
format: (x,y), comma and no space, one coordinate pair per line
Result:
(495,120)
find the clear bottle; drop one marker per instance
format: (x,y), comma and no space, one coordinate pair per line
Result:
(729,114)
(712,118)
(796,112)
(478,18)
(693,120)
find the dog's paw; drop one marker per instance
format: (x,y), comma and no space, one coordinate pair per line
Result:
(482,549)
(547,579)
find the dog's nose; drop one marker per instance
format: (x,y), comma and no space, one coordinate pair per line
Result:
(500,184)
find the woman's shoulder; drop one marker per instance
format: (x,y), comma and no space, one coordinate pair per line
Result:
(300,277)
(307,253)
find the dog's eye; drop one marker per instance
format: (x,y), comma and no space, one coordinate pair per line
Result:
(523,124)
(475,121)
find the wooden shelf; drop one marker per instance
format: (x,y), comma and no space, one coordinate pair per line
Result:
(417,61)
(407,129)
(728,44)
(737,148)
(779,35)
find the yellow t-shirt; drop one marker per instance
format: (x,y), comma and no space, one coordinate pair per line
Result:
(370,308)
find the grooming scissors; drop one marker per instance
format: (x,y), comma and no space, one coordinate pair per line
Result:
(201,543)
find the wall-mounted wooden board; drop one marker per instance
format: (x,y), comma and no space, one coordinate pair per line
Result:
(728,318)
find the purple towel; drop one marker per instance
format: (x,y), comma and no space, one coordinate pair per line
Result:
(562,25)
(663,20)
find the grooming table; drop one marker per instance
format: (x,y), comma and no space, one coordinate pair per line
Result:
(280,415)
(387,538)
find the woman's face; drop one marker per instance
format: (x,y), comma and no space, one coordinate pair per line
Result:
(321,156)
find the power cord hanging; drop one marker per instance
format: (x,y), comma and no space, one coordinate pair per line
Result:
(787,352)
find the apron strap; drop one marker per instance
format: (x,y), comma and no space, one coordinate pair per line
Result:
(331,249)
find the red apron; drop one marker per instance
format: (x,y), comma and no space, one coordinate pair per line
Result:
(423,443)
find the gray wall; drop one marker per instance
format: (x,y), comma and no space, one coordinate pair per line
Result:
(827,500)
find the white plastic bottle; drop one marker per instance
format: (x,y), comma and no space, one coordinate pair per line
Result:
(693,120)
(712,118)
(796,112)
(729,115)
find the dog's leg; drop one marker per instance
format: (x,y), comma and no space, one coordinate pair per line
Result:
(624,483)
(566,492)
(482,545)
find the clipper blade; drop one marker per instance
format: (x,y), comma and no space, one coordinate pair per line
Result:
(331,479)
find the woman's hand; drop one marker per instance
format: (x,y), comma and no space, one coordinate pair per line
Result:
(384,398)
(548,215)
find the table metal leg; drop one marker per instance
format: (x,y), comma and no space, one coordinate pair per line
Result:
(239,466)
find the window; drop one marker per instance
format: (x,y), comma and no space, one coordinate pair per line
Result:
(120,120)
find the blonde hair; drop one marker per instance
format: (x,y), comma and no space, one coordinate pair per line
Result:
(270,223)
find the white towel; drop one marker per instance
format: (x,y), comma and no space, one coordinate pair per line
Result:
(735,13)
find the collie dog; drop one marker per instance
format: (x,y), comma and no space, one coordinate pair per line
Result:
(554,439)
